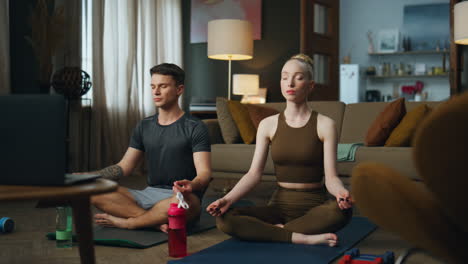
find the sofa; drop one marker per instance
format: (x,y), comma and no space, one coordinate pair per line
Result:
(232,161)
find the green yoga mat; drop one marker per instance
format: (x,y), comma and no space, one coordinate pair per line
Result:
(144,238)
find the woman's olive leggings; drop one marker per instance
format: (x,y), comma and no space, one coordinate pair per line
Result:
(301,211)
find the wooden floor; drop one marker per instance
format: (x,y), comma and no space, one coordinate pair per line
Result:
(28,244)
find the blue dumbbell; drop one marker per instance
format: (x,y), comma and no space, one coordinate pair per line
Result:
(6,225)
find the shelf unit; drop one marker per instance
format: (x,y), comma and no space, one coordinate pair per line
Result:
(444,53)
(417,52)
(408,76)
(390,84)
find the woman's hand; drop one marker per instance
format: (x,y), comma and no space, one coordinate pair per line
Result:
(344,199)
(218,207)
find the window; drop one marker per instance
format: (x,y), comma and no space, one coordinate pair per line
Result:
(87,45)
(320,19)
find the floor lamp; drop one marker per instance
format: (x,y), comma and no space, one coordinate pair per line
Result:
(230,39)
(460,14)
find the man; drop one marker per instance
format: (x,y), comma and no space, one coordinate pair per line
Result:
(177,150)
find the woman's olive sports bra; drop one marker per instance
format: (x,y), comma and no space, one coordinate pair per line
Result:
(297,153)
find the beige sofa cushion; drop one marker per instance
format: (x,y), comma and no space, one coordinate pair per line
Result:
(233,177)
(398,158)
(236,158)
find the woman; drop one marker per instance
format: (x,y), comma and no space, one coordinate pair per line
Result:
(303,149)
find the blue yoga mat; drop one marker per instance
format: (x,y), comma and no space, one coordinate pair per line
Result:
(233,251)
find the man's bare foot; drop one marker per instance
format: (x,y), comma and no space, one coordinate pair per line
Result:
(280,225)
(164,228)
(111,221)
(329,239)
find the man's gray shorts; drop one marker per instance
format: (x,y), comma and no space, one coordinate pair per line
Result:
(150,196)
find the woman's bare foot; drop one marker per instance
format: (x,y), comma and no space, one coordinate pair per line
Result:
(111,221)
(280,225)
(329,239)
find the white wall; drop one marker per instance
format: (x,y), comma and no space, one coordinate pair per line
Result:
(357,17)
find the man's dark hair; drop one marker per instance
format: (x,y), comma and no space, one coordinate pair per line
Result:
(170,69)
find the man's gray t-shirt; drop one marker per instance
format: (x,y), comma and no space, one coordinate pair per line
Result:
(169,149)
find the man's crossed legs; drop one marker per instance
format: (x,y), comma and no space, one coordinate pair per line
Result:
(130,209)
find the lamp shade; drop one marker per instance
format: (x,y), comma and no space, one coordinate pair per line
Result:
(230,39)
(245,84)
(460,14)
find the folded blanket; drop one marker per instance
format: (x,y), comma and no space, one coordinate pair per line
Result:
(346,152)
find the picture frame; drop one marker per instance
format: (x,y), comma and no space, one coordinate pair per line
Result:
(201,12)
(388,41)
(427,26)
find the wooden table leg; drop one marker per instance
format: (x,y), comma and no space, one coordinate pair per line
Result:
(84,228)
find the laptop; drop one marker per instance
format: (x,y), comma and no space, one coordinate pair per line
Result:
(32,141)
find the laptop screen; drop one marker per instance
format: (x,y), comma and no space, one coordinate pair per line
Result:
(32,136)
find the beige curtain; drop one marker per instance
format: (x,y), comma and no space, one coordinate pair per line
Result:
(4,48)
(129,37)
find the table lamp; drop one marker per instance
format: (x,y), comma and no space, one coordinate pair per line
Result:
(230,39)
(245,84)
(460,14)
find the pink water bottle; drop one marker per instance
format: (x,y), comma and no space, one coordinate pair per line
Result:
(177,232)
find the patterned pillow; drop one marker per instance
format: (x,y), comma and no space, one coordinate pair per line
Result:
(227,125)
(385,122)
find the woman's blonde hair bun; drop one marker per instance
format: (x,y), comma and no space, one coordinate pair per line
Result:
(307,61)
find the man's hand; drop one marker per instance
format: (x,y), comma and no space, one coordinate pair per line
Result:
(183,186)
